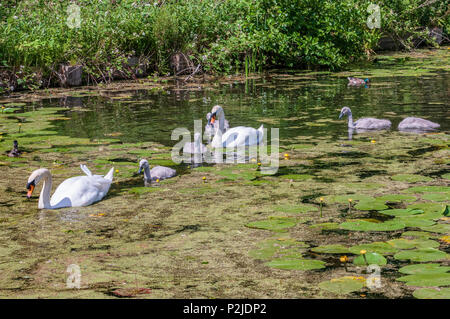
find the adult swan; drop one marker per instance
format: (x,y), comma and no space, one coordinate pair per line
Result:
(73,192)
(236,136)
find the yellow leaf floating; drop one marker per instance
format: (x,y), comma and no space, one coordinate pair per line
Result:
(445,239)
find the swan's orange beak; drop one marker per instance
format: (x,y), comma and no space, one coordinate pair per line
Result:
(213,119)
(30,190)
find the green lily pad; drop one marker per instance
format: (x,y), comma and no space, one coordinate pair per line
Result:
(362,225)
(372,258)
(396,198)
(296,264)
(437,197)
(331,249)
(401,212)
(417,234)
(378,247)
(421,255)
(269,248)
(343,285)
(428,207)
(273,224)
(413,221)
(370,205)
(439,228)
(402,243)
(424,269)
(300,208)
(427,189)
(431,293)
(411,178)
(426,280)
(446,176)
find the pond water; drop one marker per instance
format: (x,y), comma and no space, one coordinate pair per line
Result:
(298,104)
(384,192)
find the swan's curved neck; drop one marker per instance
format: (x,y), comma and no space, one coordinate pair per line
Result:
(147,175)
(221,116)
(44,198)
(350,120)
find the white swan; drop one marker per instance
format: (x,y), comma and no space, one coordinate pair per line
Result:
(157,172)
(366,123)
(73,192)
(212,125)
(417,124)
(236,136)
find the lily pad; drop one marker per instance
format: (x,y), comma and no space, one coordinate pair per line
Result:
(362,225)
(343,285)
(411,178)
(428,207)
(439,228)
(431,293)
(370,205)
(427,189)
(437,197)
(424,269)
(396,198)
(331,249)
(427,280)
(421,255)
(379,247)
(296,264)
(402,243)
(273,224)
(269,248)
(417,234)
(413,221)
(401,212)
(372,258)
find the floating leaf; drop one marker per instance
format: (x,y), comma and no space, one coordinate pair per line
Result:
(417,234)
(437,197)
(428,207)
(274,224)
(431,293)
(272,247)
(401,212)
(402,243)
(343,285)
(415,222)
(424,269)
(362,225)
(427,189)
(439,228)
(296,264)
(331,249)
(396,198)
(371,205)
(421,255)
(372,258)
(427,280)
(379,247)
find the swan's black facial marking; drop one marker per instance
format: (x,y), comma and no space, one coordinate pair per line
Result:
(30,187)
(212,118)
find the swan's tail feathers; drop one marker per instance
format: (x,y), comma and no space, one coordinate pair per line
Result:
(110,174)
(85,170)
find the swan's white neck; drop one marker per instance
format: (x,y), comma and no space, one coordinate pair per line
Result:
(44,197)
